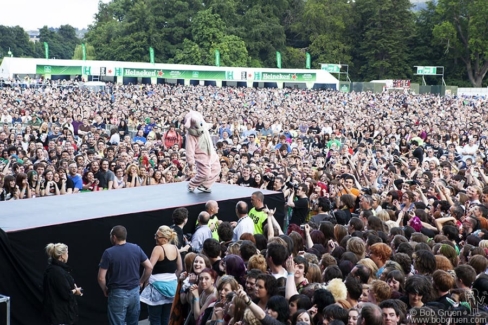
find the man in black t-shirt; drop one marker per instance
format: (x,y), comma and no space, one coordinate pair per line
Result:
(314,129)
(300,205)
(418,152)
(212,249)
(105,176)
(246,180)
(180,218)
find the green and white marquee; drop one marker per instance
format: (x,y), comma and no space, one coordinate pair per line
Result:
(115,71)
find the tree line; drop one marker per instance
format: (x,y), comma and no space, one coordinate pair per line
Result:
(378,39)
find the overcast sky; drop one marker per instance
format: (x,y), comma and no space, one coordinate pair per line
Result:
(34,14)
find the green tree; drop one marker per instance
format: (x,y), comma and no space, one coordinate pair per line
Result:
(190,54)
(207,31)
(383,30)
(233,52)
(133,42)
(172,22)
(464,32)
(264,34)
(326,23)
(62,42)
(208,34)
(293,58)
(17,40)
(291,21)
(90,52)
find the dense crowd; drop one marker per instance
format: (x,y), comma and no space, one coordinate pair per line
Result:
(385,194)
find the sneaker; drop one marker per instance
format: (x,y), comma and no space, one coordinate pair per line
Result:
(191,189)
(204,189)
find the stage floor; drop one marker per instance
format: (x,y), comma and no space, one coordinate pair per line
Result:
(47,211)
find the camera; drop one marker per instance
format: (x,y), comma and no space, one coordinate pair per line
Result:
(302,227)
(291,185)
(367,190)
(268,178)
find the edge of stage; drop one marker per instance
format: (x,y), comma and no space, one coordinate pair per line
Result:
(24,214)
(83,222)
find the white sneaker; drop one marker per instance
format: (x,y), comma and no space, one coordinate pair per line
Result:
(204,189)
(191,189)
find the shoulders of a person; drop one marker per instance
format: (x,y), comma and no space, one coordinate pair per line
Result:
(126,246)
(355,191)
(245,222)
(74,177)
(303,200)
(255,211)
(54,269)
(282,274)
(201,229)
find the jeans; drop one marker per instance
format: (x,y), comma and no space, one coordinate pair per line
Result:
(123,306)
(159,315)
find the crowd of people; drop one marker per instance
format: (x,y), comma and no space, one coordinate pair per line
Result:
(385,197)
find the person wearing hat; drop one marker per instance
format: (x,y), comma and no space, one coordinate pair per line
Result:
(200,153)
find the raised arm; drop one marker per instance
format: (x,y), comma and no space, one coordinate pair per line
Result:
(290,289)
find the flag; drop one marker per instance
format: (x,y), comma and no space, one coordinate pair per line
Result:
(278,59)
(46,50)
(217,58)
(308,61)
(83,51)
(151,55)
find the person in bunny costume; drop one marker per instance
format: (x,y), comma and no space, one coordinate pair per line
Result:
(200,153)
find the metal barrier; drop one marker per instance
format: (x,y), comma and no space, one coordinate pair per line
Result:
(5,299)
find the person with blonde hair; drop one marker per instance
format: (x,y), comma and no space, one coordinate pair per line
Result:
(383,215)
(161,288)
(379,291)
(132,174)
(60,289)
(483,244)
(367,262)
(337,288)
(258,262)
(376,203)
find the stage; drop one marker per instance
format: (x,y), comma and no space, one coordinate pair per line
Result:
(83,222)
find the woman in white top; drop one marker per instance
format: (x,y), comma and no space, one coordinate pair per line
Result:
(114,136)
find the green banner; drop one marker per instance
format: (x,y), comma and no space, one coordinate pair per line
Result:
(58,70)
(278,60)
(46,50)
(170,74)
(287,77)
(334,68)
(213,75)
(217,58)
(427,71)
(151,55)
(83,51)
(308,61)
